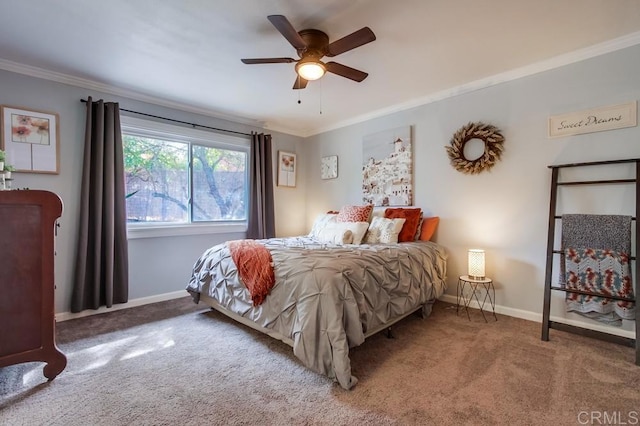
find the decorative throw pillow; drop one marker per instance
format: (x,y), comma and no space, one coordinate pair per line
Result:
(335,235)
(355,213)
(322,221)
(377,212)
(429,225)
(357,228)
(412,217)
(383,230)
(416,237)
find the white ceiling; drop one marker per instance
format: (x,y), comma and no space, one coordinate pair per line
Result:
(186,53)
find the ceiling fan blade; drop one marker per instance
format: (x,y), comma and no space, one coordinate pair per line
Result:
(283,25)
(353,40)
(345,71)
(268,61)
(300,83)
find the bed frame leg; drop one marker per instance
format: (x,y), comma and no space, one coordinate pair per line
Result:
(390,333)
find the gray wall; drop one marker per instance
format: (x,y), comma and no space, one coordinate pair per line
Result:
(157,265)
(505,210)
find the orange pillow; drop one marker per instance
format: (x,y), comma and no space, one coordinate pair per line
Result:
(411,223)
(429,225)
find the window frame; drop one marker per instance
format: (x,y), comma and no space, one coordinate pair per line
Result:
(191,136)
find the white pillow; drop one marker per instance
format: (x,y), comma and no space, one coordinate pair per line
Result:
(322,221)
(357,228)
(335,235)
(383,230)
(378,211)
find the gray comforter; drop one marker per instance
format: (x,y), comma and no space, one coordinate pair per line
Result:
(327,297)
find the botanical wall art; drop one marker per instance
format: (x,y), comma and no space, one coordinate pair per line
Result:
(387,170)
(286,169)
(493,147)
(30,140)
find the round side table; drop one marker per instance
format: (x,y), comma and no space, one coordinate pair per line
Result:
(468,290)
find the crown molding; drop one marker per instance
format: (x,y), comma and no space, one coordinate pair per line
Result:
(546,65)
(119,91)
(538,67)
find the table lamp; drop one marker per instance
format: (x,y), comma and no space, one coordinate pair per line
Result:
(476,264)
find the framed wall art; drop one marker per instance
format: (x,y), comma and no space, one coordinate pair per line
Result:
(287,169)
(30,140)
(387,170)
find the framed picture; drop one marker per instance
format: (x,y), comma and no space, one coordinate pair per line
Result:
(30,140)
(387,169)
(287,165)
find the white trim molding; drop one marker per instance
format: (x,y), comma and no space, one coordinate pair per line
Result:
(537,317)
(120,91)
(555,62)
(516,313)
(538,67)
(65,316)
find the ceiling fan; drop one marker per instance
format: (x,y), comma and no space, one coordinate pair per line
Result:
(312,45)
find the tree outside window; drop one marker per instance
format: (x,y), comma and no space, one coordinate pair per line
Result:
(181,182)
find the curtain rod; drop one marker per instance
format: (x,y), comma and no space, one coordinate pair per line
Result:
(179,121)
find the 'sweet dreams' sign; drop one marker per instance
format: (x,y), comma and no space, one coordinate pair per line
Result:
(594,120)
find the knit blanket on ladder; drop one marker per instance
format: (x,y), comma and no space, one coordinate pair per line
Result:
(596,259)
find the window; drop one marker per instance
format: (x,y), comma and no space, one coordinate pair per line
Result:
(179,178)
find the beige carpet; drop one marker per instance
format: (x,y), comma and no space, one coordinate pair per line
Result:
(177,363)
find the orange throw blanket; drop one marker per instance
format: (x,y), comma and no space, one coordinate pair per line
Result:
(255,267)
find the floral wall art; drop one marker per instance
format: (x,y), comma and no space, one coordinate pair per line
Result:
(286,169)
(387,169)
(30,140)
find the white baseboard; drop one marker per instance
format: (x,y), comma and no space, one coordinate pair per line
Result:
(537,317)
(64,316)
(503,310)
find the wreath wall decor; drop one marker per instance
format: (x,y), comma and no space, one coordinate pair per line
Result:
(493,147)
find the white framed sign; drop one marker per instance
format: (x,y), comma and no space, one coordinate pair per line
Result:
(594,120)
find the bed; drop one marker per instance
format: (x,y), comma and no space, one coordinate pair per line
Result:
(327,296)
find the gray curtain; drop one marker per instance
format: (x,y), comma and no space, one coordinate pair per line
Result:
(102,268)
(261,211)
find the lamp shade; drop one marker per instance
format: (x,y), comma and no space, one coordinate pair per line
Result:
(476,263)
(310,70)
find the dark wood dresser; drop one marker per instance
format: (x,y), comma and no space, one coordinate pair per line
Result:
(27,323)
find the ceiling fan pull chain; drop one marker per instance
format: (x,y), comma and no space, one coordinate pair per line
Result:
(299,101)
(320,97)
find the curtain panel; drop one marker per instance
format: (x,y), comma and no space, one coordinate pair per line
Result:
(261,222)
(102,268)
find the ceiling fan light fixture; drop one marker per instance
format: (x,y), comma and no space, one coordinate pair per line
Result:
(311,46)
(310,70)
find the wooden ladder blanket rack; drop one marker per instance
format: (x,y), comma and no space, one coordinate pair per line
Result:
(553,217)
